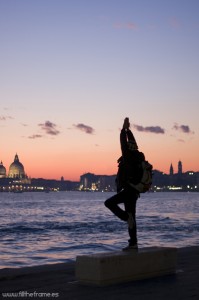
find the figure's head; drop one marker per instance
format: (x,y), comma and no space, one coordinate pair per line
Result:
(132,145)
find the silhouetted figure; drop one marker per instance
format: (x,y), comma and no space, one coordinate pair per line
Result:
(129,172)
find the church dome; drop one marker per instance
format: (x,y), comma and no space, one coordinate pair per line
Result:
(16,169)
(2,170)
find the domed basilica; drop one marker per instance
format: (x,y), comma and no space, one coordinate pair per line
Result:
(16,170)
(2,170)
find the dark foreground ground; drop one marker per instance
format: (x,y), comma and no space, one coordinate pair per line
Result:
(59,282)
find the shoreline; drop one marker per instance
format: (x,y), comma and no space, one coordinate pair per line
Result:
(59,281)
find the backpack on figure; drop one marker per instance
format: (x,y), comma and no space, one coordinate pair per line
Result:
(142,175)
(146,181)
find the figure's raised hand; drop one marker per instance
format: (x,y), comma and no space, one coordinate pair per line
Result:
(126,124)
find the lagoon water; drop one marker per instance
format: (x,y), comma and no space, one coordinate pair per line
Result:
(42,228)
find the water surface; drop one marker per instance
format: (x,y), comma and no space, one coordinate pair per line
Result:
(40,228)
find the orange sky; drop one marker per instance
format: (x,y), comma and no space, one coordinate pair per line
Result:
(84,155)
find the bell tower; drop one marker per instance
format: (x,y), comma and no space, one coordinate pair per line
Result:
(171,170)
(179,167)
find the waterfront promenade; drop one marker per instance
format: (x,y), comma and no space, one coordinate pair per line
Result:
(59,282)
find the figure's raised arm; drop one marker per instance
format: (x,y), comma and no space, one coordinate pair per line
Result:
(127,139)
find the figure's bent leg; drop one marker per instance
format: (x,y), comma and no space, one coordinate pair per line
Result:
(112,204)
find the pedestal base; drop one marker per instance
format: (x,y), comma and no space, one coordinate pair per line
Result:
(116,267)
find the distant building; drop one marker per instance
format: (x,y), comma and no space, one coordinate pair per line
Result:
(171,169)
(188,181)
(17,181)
(179,167)
(16,169)
(92,182)
(2,171)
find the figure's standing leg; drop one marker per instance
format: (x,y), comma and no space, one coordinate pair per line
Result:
(129,197)
(130,208)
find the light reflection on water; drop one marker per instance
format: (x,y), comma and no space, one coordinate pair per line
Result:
(40,228)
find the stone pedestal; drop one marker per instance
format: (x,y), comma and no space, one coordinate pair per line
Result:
(116,267)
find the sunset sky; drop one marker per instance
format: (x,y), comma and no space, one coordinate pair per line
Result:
(71,71)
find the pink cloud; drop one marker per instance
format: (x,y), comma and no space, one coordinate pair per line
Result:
(85,128)
(35,136)
(128,25)
(183,128)
(4,118)
(152,129)
(50,128)
(174,23)
(132,26)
